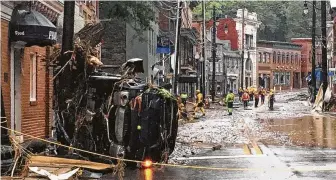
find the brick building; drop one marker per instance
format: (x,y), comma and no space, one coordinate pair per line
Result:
(306,57)
(279,65)
(26,81)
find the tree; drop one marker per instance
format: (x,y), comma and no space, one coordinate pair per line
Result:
(280,20)
(138,14)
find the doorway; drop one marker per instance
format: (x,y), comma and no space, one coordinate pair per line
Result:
(16,60)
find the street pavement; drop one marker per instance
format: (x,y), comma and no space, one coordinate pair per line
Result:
(251,150)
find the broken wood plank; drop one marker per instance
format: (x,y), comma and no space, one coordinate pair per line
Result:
(45,161)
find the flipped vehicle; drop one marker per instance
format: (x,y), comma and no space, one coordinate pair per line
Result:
(132,119)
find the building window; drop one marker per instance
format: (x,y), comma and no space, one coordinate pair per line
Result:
(33,77)
(287,58)
(296,58)
(288,78)
(282,78)
(260,57)
(265,58)
(283,58)
(292,58)
(276,78)
(274,57)
(279,57)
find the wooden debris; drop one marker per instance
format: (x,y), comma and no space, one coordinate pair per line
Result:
(45,161)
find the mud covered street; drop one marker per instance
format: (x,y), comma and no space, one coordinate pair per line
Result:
(287,143)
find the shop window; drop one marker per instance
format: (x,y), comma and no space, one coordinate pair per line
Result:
(287,58)
(33,77)
(287,78)
(292,58)
(283,58)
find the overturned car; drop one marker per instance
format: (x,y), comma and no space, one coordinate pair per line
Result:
(127,118)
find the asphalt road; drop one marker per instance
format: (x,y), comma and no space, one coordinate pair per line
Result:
(274,163)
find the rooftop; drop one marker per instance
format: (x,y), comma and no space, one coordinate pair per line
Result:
(280,44)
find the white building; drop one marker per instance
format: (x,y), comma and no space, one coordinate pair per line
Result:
(250,44)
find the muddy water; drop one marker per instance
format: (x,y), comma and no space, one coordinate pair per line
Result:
(306,131)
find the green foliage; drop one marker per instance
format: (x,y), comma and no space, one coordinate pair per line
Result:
(138,14)
(280,20)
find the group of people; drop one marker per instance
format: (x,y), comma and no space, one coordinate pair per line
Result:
(245,96)
(254,94)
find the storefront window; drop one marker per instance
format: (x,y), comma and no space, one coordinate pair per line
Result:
(288,78)
(276,78)
(282,78)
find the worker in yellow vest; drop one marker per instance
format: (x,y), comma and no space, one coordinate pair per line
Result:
(184,97)
(229,101)
(199,102)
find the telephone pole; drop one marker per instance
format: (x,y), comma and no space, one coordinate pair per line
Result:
(313,50)
(324,46)
(213,54)
(203,52)
(177,45)
(242,66)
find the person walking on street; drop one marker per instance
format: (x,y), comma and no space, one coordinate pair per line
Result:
(263,94)
(199,102)
(229,101)
(256,99)
(184,97)
(251,93)
(240,93)
(245,98)
(271,100)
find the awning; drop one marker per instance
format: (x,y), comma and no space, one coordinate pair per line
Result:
(187,79)
(31,27)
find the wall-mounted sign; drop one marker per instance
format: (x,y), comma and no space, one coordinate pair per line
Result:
(163,45)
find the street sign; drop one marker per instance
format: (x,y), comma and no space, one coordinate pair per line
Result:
(163,45)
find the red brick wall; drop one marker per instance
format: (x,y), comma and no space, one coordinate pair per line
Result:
(33,114)
(271,66)
(231,35)
(5,69)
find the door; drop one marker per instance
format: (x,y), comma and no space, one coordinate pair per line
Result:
(16,60)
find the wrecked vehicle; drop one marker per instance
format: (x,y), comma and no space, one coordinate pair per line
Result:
(140,122)
(111,114)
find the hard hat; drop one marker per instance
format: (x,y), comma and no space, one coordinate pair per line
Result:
(198,90)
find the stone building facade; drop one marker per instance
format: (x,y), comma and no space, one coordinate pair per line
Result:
(279,65)
(121,42)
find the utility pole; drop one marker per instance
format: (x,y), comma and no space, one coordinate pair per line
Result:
(68,27)
(242,66)
(313,51)
(324,46)
(177,45)
(213,55)
(203,52)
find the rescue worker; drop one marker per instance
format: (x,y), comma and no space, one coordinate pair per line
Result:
(229,101)
(256,99)
(245,98)
(184,97)
(240,93)
(251,93)
(262,95)
(199,102)
(271,100)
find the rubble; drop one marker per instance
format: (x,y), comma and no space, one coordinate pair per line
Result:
(219,128)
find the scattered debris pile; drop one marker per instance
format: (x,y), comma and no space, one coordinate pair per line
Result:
(299,97)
